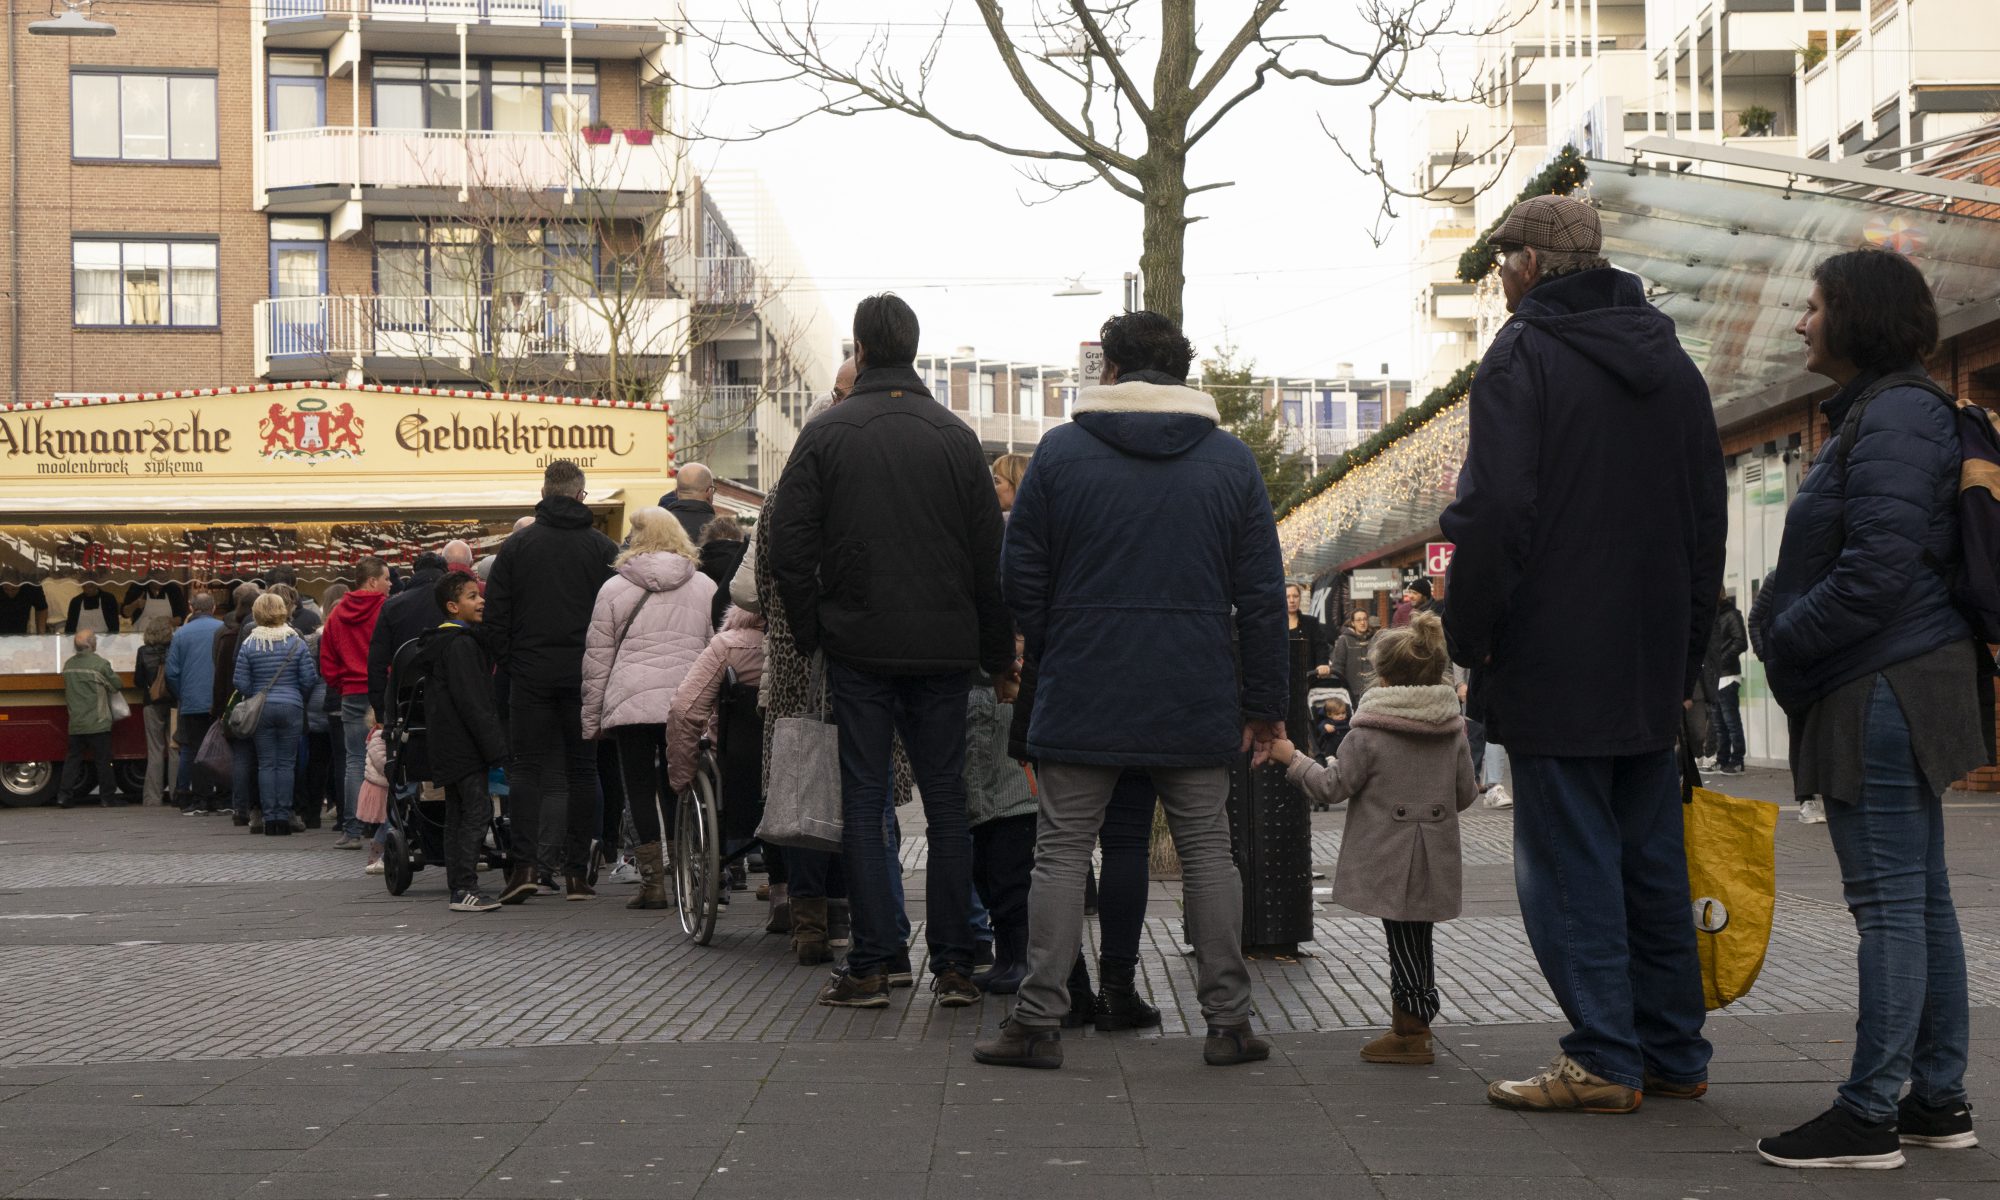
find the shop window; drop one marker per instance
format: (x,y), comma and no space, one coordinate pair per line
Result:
(141,283)
(139,117)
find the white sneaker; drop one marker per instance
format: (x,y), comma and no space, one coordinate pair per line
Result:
(374,868)
(1812,812)
(1497,797)
(624,872)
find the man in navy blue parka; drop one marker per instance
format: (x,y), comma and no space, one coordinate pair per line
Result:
(1142,565)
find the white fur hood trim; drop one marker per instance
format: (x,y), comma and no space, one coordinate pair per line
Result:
(1138,396)
(1431,704)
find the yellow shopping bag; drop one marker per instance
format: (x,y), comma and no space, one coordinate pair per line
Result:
(1733,878)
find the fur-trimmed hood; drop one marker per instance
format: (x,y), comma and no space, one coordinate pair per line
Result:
(1139,396)
(1146,419)
(1430,709)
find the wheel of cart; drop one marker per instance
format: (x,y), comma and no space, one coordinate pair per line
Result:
(717,819)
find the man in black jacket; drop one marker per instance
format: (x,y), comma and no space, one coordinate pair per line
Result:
(1593,456)
(1725,663)
(538,602)
(693,500)
(465,741)
(885,545)
(405,616)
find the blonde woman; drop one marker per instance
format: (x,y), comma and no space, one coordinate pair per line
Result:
(274,661)
(650,623)
(1008,471)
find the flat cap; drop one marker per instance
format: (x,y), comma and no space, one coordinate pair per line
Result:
(1555,223)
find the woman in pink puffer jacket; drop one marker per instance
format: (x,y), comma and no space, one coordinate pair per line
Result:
(650,624)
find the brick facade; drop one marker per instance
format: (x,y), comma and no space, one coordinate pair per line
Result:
(60,197)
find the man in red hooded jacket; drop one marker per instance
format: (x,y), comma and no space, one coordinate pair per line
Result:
(343,663)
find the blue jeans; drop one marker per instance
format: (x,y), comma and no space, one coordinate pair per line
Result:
(929,712)
(1913,1024)
(193,728)
(1601,869)
(1728,726)
(277,742)
(243,776)
(892,844)
(354,742)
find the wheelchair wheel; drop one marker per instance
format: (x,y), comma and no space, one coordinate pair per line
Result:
(397,869)
(698,879)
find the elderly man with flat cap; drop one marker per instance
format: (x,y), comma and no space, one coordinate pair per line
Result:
(1593,463)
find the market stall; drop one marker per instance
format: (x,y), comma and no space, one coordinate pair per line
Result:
(229,483)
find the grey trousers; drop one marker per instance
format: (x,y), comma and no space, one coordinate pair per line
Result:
(159,753)
(1074,798)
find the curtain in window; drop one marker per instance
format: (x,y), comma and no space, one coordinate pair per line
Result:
(145,280)
(95,282)
(194,300)
(143,102)
(193,121)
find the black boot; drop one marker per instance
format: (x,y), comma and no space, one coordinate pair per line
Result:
(1010,962)
(1119,1005)
(1082,1004)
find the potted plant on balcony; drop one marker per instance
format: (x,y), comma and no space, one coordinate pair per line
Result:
(639,137)
(597,133)
(1758,121)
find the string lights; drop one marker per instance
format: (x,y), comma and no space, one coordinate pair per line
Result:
(1415,477)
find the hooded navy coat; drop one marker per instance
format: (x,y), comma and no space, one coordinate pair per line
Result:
(1140,555)
(1590,525)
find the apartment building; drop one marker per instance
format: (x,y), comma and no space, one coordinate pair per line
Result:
(455,194)
(1324,417)
(1730,145)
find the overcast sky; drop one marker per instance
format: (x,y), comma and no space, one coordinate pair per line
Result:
(1282,264)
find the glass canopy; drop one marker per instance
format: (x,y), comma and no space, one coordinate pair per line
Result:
(1731,262)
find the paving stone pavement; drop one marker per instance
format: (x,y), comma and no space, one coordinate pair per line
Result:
(193,1012)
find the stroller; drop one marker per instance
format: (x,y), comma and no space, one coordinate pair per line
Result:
(716,824)
(416,805)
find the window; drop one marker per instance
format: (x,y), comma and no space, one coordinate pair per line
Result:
(506,95)
(1025,401)
(1368,415)
(143,282)
(986,382)
(142,118)
(298,92)
(1294,403)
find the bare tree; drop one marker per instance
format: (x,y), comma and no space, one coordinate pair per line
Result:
(1119,106)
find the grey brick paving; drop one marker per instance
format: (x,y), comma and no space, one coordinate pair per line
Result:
(211,944)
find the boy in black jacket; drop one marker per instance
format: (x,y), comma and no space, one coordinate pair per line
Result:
(466,739)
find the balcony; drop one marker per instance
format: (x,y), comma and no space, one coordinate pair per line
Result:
(405,337)
(315,170)
(1007,432)
(601,29)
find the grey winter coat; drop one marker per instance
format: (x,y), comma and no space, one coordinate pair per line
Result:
(1407,771)
(633,682)
(1350,661)
(995,785)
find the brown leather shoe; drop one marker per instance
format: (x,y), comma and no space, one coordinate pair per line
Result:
(577,887)
(1661,1089)
(520,885)
(1564,1086)
(1233,1045)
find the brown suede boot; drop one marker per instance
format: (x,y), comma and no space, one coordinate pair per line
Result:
(1408,1043)
(652,878)
(809,930)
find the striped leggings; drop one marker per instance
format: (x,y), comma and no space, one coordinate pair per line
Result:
(1412,977)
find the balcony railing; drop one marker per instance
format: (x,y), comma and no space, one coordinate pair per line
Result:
(473,12)
(528,325)
(344,156)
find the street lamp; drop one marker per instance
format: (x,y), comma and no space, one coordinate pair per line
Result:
(72,23)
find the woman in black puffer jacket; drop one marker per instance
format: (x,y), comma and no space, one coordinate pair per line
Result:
(1878,672)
